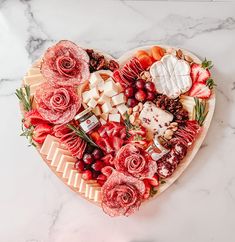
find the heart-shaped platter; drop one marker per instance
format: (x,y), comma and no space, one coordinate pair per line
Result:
(117,132)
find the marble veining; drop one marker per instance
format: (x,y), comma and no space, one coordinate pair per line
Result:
(34,205)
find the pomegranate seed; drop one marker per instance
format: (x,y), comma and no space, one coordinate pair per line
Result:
(98,165)
(140,84)
(79,166)
(129,92)
(140,95)
(95,174)
(150,96)
(88,158)
(87,175)
(149,86)
(97,154)
(131,102)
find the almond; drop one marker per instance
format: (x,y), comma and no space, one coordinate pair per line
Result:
(179,53)
(188,59)
(136,108)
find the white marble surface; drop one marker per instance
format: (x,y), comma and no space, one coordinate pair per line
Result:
(34,205)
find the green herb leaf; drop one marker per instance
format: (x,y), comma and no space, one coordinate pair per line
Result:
(210,83)
(23,95)
(153,191)
(82,135)
(200,111)
(207,64)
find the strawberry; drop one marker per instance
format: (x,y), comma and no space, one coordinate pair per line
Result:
(40,132)
(154,181)
(34,118)
(200,72)
(200,90)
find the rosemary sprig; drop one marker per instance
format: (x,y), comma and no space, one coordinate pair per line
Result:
(82,135)
(23,95)
(28,133)
(128,124)
(207,64)
(200,111)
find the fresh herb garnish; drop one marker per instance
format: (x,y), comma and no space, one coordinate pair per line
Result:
(128,124)
(200,111)
(28,133)
(82,135)
(153,191)
(24,96)
(207,64)
(210,83)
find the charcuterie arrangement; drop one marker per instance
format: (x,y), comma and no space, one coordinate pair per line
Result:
(116,131)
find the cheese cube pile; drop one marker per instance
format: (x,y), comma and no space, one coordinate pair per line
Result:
(62,163)
(105,97)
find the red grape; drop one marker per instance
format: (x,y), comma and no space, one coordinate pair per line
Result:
(131,102)
(140,84)
(79,166)
(140,95)
(129,92)
(97,153)
(88,158)
(87,175)
(98,165)
(149,86)
(150,96)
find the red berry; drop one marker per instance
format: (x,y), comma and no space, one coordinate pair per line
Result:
(87,175)
(79,166)
(101,179)
(129,92)
(95,174)
(88,158)
(150,96)
(149,86)
(140,95)
(131,102)
(97,154)
(98,165)
(140,84)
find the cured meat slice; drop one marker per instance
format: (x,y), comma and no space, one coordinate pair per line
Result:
(57,105)
(65,64)
(134,161)
(164,169)
(121,194)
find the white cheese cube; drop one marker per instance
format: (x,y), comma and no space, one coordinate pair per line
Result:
(113,111)
(110,88)
(104,116)
(106,107)
(114,118)
(102,121)
(100,86)
(92,103)
(122,108)
(118,99)
(103,99)
(94,93)
(97,111)
(86,96)
(95,79)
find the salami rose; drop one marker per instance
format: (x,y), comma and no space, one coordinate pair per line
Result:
(121,194)
(134,161)
(57,105)
(65,64)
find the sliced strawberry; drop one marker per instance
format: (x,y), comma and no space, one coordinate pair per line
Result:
(154,181)
(200,90)
(201,73)
(40,132)
(34,118)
